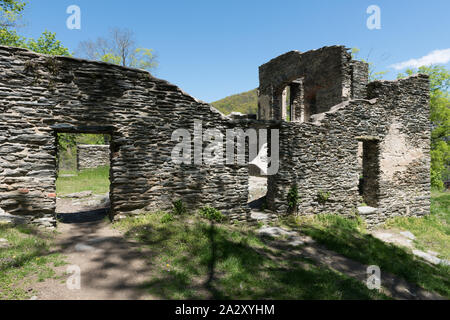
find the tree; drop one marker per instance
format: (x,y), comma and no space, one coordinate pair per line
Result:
(119,48)
(10,13)
(440,119)
(48,44)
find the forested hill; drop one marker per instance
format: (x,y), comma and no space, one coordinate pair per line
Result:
(246,102)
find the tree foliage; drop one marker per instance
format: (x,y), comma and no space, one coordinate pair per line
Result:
(68,141)
(10,13)
(246,102)
(119,48)
(48,44)
(440,119)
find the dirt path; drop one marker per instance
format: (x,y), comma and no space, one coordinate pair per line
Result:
(111,266)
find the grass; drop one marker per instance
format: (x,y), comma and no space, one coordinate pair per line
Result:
(25,261)
(432,231)
(194,258)
(350,238)
(95,180)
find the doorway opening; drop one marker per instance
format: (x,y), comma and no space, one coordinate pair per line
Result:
(257,179)
(286,104)
(369,180)
(82,177)
(296,106)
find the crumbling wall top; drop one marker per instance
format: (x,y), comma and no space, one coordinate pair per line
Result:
(322,78)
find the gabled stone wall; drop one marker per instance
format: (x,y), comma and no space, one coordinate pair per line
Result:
(42,95)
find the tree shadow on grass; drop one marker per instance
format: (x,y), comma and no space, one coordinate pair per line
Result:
(27,256)
(212,261)
(343,236)
(26,244)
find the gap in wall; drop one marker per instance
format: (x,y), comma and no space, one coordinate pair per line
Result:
(83,176)
(257,180)
(369,182)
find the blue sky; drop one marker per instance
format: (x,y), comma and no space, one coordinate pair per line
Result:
(212,49)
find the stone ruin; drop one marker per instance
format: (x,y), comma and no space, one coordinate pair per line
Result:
(342,141)
(334,113)
(91,156)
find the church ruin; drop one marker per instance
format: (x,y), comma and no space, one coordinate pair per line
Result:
(343,142)
(334,113)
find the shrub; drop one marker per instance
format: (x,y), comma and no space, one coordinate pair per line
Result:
(166,218)
(293,199)
(322,197)
(212,214)
(440,156)
(178,207)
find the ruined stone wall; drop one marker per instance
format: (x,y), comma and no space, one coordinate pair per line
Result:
(91,156)
(328,76)
(405,150)
(321,156)
(42,95)
(360,78)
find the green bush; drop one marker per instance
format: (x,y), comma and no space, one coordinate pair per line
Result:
(166,218)
(212,214)
(440,118)
(293,199)
(323,197)
(440,156)
(178,208)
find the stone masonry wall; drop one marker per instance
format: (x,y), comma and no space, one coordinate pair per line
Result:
(92,156)
(321,156)
(328,76)
(42,95)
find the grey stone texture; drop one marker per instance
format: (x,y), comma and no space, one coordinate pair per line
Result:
(42,95)
(332,109)
(318,79)
(319,154)
(90,156)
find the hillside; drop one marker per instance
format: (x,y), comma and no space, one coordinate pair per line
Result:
(246,102)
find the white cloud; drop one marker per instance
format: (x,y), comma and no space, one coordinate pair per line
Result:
(434,57)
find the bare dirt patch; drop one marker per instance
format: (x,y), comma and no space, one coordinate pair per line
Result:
(111,266)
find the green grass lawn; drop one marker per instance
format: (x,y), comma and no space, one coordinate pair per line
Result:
(26,260)
(350,238)
(95,180)
(193,258)
(432,231)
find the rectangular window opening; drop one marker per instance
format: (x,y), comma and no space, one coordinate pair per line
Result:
(369,179)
